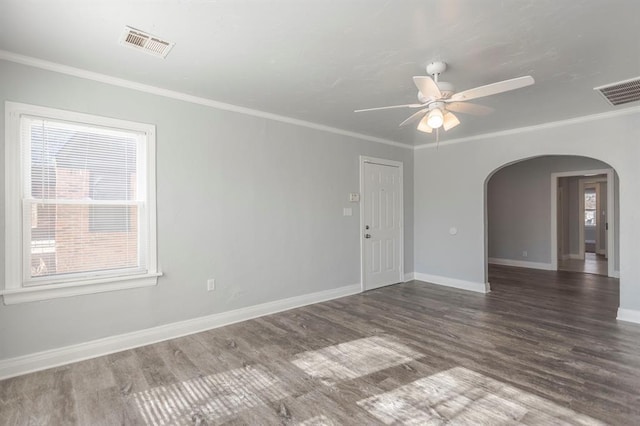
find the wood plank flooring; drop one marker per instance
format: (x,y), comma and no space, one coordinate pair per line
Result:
(542,348)
(592,264)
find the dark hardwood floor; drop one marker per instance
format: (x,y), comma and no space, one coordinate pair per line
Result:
(541,348)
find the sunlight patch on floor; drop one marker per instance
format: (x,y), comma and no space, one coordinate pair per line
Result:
(320,420)
(207,397)
(460,396)
(354,359)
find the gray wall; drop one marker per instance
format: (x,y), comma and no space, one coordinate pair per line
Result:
(465,166)
(254,203)
(519,205)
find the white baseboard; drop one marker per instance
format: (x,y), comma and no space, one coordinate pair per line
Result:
(616,274)
(521,263)
(409,276)
(629,315)
(55,357)
(453,282)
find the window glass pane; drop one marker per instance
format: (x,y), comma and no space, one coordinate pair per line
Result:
(590,207)
(590,217)
(84,209)
(76,249)
(91,162)
(590,200)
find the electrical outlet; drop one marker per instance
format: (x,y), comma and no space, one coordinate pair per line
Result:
(211,284)
(524,253)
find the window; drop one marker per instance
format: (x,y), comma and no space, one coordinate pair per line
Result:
(590,215)
(80,204)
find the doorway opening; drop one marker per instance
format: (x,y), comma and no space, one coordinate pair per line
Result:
(589,222)
(584,209)
(528,207)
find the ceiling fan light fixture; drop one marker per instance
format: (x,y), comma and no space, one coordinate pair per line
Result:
(423,126)
(437,99)
(450,121)
(435,119)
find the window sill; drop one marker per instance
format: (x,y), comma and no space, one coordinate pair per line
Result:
(55,291)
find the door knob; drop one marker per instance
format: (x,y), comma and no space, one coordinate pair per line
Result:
(367,235)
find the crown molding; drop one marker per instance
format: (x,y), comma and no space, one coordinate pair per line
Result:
(549,125)
(172,94)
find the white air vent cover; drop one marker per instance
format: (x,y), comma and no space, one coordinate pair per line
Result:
(145,42)
(621,92)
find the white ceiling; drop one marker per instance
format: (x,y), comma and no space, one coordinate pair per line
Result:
(318,60)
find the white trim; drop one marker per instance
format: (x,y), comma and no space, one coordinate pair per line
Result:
(611,216)
(392,163)
(581,241)
(629,315)
(17,242)
(453,282)
(60,356)
(521,263)
(13,204)
(548,125)
(55,291)
(141,87)
(409,276)
(583,184)
(616,274)
(154,90)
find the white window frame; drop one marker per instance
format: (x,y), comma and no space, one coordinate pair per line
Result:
(17,288)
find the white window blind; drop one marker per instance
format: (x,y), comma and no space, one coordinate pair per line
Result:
(84,200)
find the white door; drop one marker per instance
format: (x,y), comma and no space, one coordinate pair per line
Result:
(382,223)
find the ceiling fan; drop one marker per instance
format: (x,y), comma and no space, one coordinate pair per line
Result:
(438,99)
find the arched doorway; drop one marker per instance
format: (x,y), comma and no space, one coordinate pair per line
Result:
(553,213)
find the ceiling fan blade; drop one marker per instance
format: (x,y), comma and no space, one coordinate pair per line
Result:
(492,89)
(450,121)
(467,108)
(423,126)
(414,117)
(427,87)
(389,107)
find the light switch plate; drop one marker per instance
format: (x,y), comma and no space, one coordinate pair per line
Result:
(347,211)
(354,197)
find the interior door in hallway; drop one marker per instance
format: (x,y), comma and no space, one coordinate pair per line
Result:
(382,223)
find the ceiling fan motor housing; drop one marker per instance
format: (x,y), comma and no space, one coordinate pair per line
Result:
(435,68)
(447,89)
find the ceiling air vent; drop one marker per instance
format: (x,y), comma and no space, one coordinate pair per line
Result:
(145,42)
(621,92)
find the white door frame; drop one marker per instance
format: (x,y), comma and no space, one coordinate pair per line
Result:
(562,244)
(365,159)
(582,185)
(612,255)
